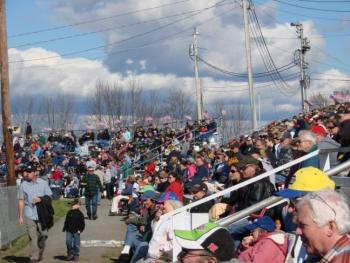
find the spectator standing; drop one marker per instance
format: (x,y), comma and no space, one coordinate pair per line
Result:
(74,225)
(92,187)
(31,192)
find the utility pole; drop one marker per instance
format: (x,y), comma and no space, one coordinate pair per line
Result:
(5,104)
(249,64)
(304,66)
(199,92)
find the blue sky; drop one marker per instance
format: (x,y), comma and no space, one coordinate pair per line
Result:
(167,63)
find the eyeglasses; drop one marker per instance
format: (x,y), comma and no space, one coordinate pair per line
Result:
(316,196)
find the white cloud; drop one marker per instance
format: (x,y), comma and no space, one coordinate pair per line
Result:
(129,61)
(143,64)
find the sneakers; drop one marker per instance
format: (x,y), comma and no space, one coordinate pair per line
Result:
(75,258)
(69,258)
(94,217)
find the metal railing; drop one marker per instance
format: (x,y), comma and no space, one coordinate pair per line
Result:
(160,155)
(241,185)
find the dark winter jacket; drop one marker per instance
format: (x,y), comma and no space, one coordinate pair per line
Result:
(45,212)
(74,221)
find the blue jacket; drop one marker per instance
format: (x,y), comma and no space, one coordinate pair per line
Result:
(314,161)
(202,172)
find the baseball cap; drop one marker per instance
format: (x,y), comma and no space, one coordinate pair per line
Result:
(91,165)
(31,167)
(210,237)
(167,196)
(149,195)
(309,179)
(264,222)
(198,188)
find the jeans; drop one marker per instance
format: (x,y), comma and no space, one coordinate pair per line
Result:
(98,197)
(132,236)
(37,238)
(91,205)
(109,190)
(140,252)
(238,230)
(73,244)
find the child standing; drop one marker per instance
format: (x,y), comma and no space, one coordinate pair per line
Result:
(74,224)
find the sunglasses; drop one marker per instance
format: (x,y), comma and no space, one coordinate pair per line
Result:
(187,254)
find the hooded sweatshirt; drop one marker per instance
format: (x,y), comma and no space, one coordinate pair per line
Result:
(270,247)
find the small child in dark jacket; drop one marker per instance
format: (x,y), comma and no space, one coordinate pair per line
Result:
(74,224)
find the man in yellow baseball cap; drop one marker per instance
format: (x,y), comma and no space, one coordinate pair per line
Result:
(308,179)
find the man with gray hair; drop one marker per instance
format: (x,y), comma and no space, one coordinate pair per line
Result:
(323,222)
(308,144)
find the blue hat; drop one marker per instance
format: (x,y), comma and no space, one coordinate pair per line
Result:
(167,196)
(265,223)
(149,195)
(290,193)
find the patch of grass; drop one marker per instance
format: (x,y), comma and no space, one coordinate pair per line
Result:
(61,207)
(111,253)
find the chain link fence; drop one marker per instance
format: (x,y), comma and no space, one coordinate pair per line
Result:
(9,227)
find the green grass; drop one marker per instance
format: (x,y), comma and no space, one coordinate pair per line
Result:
(61,207)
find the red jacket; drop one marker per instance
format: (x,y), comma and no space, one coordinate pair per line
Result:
(176,188)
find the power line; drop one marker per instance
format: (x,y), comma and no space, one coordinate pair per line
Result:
(244,75)
(97,20)
(154,42)
(218,4)
(345,80)
(104,30)
(268,60)
(313,8)
(307,16)
(325,1)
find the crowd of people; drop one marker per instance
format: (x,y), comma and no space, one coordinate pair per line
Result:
(157,170)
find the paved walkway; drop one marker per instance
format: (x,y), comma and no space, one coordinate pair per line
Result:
(104,228)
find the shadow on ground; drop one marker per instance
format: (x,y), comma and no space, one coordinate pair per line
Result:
(16,259)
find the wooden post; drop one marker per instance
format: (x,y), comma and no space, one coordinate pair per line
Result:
(5,103)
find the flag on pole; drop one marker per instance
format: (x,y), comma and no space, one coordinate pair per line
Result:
(166,118)
(149,118)
(308,103)
(223,111)
(188,117)
(206,115)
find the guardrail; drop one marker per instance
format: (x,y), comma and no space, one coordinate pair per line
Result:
(240,185)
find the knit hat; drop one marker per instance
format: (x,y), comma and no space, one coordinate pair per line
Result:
(210,237)
(309,179)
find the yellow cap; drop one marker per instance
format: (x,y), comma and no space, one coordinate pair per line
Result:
(311,179)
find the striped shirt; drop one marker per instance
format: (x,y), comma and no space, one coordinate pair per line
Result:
(340,253)
(92,184)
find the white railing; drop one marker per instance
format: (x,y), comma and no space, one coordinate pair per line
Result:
(181,218)
(240,185)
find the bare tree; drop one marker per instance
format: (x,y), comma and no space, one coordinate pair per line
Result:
(23,110)
(179,103)
(134,91)
(318,100)
(57,112)
(236,119)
